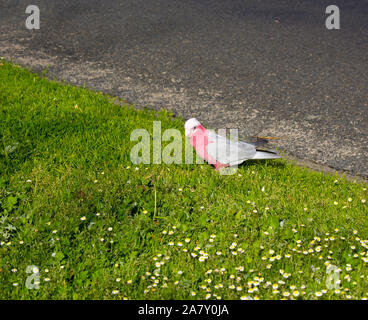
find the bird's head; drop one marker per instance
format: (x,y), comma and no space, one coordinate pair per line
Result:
(190,126)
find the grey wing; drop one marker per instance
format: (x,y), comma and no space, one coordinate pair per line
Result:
(229,152)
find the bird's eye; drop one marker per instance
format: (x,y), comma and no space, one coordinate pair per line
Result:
(194,128)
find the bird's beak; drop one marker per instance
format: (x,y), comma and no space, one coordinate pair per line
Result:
(187,132)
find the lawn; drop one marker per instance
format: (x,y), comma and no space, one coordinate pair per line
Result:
(78,220)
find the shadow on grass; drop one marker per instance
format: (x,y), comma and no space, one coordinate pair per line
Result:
(281,164)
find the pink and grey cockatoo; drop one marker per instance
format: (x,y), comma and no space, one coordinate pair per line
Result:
(220,151)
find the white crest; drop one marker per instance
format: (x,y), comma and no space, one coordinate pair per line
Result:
(190,124)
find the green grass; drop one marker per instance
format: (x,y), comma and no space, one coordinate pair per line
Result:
(72,204)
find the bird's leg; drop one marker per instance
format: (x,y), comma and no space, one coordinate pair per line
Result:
(219,165)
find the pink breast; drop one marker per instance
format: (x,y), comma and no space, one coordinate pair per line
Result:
(199,140)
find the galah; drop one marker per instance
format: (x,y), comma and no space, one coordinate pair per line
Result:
(220,151)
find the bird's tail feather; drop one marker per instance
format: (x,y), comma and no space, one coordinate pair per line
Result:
(266,155)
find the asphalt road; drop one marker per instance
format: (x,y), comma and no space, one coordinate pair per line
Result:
(267,67)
